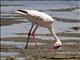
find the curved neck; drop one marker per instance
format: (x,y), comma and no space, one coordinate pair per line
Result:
(52,32)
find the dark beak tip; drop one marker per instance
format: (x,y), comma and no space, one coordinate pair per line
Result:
(56,47)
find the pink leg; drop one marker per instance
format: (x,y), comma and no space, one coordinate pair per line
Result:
(33,34)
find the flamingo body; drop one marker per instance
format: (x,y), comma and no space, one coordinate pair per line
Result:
(38,18)
(41,19)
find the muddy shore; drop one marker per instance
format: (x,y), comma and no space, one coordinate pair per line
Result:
(70,50)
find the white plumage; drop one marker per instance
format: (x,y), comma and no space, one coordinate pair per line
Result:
(38,18)
(41,19)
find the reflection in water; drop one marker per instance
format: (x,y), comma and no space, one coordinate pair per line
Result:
(17,58)
(18,44)
(9,53)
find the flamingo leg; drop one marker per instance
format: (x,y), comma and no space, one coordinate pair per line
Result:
(33,34)
(28,37)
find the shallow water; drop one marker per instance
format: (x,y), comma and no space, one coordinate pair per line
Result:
(19,44)
(40,5)
(24,27)
(52,8)
(17,58)
(9,53)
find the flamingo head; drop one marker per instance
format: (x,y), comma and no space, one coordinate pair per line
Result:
(57,44)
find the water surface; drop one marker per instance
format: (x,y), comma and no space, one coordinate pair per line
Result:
(52,8)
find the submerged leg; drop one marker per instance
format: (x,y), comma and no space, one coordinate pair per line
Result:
(28,37)
(33,34)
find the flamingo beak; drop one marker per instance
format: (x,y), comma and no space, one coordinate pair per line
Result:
(56,47)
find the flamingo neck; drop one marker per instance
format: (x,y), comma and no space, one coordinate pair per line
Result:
(54,34)
(55,37)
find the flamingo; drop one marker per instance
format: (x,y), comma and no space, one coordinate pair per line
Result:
(42,19)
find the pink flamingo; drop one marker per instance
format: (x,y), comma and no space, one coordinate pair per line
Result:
(39,19)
